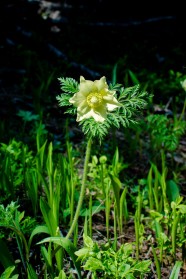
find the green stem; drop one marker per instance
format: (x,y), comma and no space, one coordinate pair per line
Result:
(174,231)
(90,216)
(20,236)
(83,186)
(183,112)
(157,263)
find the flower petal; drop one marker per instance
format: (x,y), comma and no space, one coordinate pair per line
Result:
(83,108)
(100,113)
(77,99)
(111,102)
(90,91)
(101,84)
(109,98)
(112,107)
(82,116)
(86,86)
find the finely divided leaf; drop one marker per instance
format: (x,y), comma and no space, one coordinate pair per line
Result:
(69,85)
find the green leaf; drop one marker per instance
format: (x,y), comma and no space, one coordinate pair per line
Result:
(71,110)
(133,77)
(31,272)
(176,270)
(27,115)
(6,274)
(63,99)
(124,269)
(88,241)
(93,264)
(130,276)
(46,256)
(48,216)
(94,209)
(68,85)
(37,230)
(157,262)
(142,266)
(173,191)
(82,252)
(62,275)
(182,208)
(126,250)
(114,74)
(116,184)
(91,128)
(68,246)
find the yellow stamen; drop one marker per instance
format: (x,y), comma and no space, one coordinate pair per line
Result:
(94,99)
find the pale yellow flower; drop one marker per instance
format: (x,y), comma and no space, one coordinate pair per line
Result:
(183,84)
(94,99)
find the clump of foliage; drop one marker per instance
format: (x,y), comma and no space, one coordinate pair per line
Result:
(105,262)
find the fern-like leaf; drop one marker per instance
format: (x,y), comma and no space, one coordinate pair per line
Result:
(63,99)
(68,85)
(163,132)
(114,119)
(115,87)
(91,128)
(132,98)
(71,110)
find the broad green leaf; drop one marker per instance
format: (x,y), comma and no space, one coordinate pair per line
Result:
(31,272)
(182,208)
(143,265)
(82,252)
(8,271)
(88,241)
(93,264)
(68,246)
(62,275)
(37,230)
(124,269)
(173,191)
(48,216)
(126,249)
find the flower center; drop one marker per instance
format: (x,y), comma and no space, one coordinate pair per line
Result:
(94,99)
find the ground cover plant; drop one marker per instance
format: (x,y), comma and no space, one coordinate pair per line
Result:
(92,143)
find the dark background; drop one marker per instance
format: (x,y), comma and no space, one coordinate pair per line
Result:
(44,40)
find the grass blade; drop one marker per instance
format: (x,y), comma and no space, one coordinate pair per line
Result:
(68,246)
(176,270)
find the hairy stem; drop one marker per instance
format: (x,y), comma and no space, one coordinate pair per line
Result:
(81,197)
